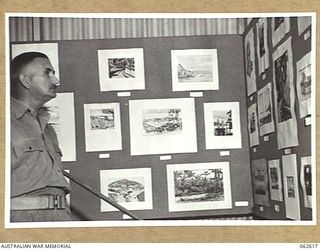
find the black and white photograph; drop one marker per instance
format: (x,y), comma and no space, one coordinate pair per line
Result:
(198,186)
(121,68)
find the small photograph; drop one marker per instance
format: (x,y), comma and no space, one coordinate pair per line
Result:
(131,188)
(195,68)
(121,68)
(290,187)
(102,119)
(283,88)
(199,186)
(274,178)
(159,121)
(305,82)
(222,122)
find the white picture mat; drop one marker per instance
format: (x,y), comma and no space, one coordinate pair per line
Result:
(259,167)
(102,139)
(275,194)
(287,131)
(281,31)
(264,97)
(135,174)
(184,86)
(206,205)
(289,165)
(254,136)
(110,84)
(303,23)
(185,141)
(49,49)
(64,102)
(307,198)
(304,103)
(250,66)
(222,142)
(263,60)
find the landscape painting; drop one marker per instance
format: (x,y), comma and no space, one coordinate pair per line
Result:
(121,69)
(102,119)
(194,69)
(198,186)
(162,126)
(131,188)
(222,125)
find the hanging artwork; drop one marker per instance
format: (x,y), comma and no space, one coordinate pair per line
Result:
(275,180)
(130,188)
(121,69)
(102,127)
(284,96)
(194,69)
(265,110)
(161,126)
(280,27)
(304,85)
(306,180)
(253,125)
(49,49)
(290,182)
(250,63)
(222,125)
(303,23)
(262,44)
(260,182)
(61,110)
(199,186)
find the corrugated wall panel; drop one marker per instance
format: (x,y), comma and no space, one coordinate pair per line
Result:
(48,28)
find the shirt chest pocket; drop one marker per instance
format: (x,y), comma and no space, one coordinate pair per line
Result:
(28,146)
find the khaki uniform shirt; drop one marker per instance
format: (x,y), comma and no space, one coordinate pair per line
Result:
(35,154)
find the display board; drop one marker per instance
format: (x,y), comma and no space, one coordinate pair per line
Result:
(288,46)
(79,63)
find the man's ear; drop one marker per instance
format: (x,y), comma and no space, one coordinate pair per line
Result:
(24,81)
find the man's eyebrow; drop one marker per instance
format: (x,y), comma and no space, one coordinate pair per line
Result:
(48,70)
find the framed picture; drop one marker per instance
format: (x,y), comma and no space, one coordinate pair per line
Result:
(306,180)
(194,69)
(161,126)
(102,127)
(199,186)
(280,27)
(61,110)
(131,188)
(253,125)
(121,69)
(291,190)
(262,44)
(250,66)
(284,96)
(222,125)
(260,182)
(49,49)
(304,85)
(265,110)
(275,180)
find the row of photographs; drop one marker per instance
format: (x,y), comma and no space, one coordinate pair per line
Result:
(269,184)
(283,88)
(123,69)
(191,187)
(157,126)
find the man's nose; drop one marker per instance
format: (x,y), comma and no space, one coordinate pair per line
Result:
(55,80)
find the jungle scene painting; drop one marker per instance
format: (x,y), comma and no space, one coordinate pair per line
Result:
(198,185)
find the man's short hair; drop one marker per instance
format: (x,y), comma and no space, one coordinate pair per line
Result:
(19,62)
